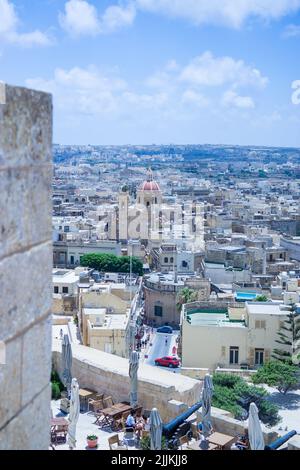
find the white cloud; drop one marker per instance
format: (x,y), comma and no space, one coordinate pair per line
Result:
(82,18)
(232,13)
(79,17)
(208,70)
(90,91)
(116,17)
(9,29)
(292,30)
(232,99)
(197,99)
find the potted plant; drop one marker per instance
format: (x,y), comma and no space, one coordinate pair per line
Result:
(92,441)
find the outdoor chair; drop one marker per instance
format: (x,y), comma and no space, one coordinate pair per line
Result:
(130,437)
(138,411)
(184,441)
(195,431)
(108,402)
(147,413)
(121,423)
(95,405)
(116,444)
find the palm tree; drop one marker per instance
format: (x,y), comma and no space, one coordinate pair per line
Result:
(185,296)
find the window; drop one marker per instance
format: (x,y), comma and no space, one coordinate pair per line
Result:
(56,290)
(65,290)
(72,260)
(166,260)
(233,355)
(172,260)
(158,311)
(184,264)
(260,324)
(259,357)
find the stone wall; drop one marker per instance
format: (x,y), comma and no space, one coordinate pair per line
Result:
(223,422)
(108,374)
(25,267)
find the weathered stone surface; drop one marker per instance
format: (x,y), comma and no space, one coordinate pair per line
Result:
(25,266)
(36,360)
(29,430)
(26,128)
(294,443)
(25,289)
(39,205)
(26,192)
(10,382)
(12,209)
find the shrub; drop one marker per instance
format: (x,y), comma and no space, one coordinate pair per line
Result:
(145,443)
(277,374)
(226,380)
(56,393)
(232,393)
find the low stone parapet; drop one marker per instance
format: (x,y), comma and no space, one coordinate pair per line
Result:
(109,374)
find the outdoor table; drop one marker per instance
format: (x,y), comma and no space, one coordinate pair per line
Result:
(221,440)
(197,446)
(110,415)
(59,428)
(84,395)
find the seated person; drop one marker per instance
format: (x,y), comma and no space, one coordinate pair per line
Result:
(130,421)
(242,443)
(147,424)
(200,430)
(140,425)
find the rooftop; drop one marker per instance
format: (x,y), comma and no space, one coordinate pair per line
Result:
(265,308)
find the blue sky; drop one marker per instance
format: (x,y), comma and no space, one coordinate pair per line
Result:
(159,71)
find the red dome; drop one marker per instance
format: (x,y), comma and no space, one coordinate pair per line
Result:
(150,186)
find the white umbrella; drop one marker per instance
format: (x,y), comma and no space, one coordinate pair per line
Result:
(133,374)
(67,363)
(156,427)
(207,393)
(74,414)
(256,437)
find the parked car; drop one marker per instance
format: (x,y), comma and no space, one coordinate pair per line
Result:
(165,329)
(168,361)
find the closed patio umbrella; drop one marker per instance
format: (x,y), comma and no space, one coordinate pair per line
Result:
(207,394)
(256,437)
(133,374)
(74,414)
(67,363)
(156,427)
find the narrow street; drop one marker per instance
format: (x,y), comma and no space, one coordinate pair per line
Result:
(160,349)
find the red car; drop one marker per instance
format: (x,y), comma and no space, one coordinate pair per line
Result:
(168,361)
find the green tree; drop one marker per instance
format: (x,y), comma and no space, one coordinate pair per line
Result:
(111,263)
(232,393)
(185,296)
(277,374)
(289,336)
(261,298)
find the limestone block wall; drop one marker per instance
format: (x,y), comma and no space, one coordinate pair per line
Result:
(108,374)
(25,267)
(223,422)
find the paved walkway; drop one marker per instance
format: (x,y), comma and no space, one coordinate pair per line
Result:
(86,427)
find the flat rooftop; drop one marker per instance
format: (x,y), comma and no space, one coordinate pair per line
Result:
(213,317)
(64,276)
(265,308)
